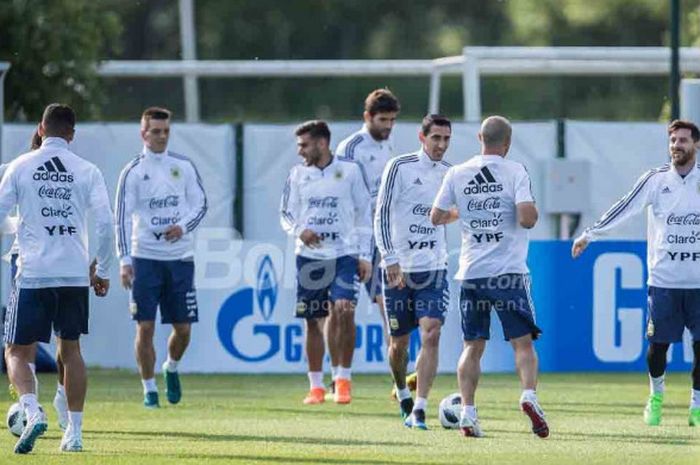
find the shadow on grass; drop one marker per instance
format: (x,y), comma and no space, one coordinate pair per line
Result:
(283,459)
(251,438)
(617,437)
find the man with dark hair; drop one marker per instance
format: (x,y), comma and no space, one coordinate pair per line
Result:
(54,189)
(372,148)
(414,258)
(495,206)
(160,202)
(670,196)
(326,206)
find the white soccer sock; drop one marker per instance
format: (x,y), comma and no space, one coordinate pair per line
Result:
(60,390)
(149,385)
(421,404)
(334,372)
(345,373)
(75,421)
(528,394)
(171,365)
(404,393)
(469,411)
(30,404)
(657,385)
(316,379)
(695,398)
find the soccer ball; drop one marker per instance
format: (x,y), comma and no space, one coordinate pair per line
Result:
(450,410)
(16,420)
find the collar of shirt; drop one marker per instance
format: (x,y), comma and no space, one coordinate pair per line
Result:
(425,158)
(378,143)
(491,156)
(691,174)
(55,142)
(149,154)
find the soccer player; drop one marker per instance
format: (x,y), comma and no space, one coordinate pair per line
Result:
(371,147)
(160,202)
(670,196)
(414,258)
(60,402)
(326,206)
(496,208)
(54,189)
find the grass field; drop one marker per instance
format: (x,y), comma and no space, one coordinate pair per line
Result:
(594,419)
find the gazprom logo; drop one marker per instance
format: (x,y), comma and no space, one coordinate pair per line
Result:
(250,335)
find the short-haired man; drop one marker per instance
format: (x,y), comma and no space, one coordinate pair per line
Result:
(496,208)
(326,206)
(54,189)
(160,202)
(671,196)
(414,258)
(372,148)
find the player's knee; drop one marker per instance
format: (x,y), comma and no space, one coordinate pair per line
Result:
(314,327)
(398,343)
(182,330)
(431,337)
(345,308)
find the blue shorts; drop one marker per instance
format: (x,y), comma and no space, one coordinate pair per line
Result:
(322,282)
(509,295)
(164,284)
(426,295)
(670,312)
(32,312)
(374,285)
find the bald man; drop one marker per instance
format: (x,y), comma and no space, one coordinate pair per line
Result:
(492,197)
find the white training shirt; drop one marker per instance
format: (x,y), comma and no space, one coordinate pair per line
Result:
(486,190)
(672,203)
(156,191)
(333,202)
(54,189)
(403,231)
(372,154)
(10,224)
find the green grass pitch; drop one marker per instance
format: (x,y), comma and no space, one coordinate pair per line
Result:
(224,419)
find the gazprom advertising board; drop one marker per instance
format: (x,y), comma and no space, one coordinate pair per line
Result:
(592,311)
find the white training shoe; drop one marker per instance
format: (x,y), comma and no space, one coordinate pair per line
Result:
(531,408)
(36,426)
(470,427)
(72,442)
(60,404)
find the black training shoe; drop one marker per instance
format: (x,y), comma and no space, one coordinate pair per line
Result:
(406,407)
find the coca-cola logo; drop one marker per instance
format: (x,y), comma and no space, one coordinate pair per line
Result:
(164,202)
(60,193)
(323,202)
(689,219)
(421,210)
(492,203)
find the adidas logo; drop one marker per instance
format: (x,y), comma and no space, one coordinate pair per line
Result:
(372,158)
(666,190)
(146,177)
(483,182)
(53,170)
(418,182)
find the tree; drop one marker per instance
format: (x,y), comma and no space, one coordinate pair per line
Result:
(53,47)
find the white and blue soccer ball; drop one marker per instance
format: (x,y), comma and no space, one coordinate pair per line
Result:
(16,419)
(450,410)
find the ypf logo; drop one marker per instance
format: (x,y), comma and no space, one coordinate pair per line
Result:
(243,304)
